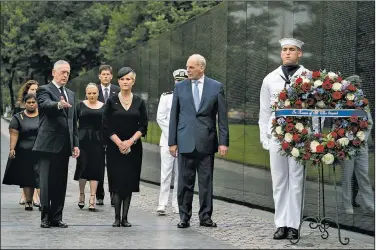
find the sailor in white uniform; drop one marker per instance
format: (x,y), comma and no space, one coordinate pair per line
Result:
(169,163)
(287,174)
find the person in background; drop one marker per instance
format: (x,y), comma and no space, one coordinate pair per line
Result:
(22,168)
(169,164)
(90,163)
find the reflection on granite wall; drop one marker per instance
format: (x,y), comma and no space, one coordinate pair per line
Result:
(240,43)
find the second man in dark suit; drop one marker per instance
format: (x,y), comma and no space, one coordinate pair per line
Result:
(193,134)
(56,141)
(106,90)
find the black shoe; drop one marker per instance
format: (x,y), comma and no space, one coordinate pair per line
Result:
(60,224)
(100,202)
(29,206)
(280,234)
(116,223)
(45,224)
(183,224)
(208,223)
(125,223)
(292,233)
(112,203)
(355,204)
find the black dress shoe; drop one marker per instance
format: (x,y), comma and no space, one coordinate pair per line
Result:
(280,234)
(355,204)
(125,223)
(183,224)
(45,224)
(60,224)
(292,233)
(208,223)
(116,223)
(100,202)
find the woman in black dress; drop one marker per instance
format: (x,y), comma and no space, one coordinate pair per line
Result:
(125,121)
(90,163)
(21,168)
(30,87)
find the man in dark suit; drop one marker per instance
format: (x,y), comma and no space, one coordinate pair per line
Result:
(106,90)
(57,140)
(193,133)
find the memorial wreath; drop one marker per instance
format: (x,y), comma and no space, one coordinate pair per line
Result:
(323,93)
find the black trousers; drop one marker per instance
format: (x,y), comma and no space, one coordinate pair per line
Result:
(100,189)
(189,163)
(53,173)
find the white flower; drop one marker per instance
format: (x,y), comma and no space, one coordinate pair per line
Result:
(303,105)
(288,137)
(327,159)
(295,152)
(343,141)
(336,86)
(287,103)
(332,75)
(350,97)
(317,83)
(313,146)
(305,80)
(361,135)
(299,126)
(278,130)
(320,104)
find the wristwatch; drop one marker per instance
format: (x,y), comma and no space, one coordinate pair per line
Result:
(134,141)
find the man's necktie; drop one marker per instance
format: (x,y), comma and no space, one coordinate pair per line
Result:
(105,94)
(64,96)
(196,95)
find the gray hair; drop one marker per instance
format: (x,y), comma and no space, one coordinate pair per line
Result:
(91,84)
(60,62)
(200,59)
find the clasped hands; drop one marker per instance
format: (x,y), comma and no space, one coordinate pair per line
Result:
(222,150)
(125,146)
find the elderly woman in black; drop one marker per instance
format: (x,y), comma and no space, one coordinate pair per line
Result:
(125,121)
(21,168)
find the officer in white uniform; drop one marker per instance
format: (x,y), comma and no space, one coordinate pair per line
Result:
(168,162)
(287,174)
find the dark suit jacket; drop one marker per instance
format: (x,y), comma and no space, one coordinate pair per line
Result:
(114,90)
(190,129)
(54,123)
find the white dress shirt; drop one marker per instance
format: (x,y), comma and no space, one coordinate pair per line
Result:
(200,86)
(58,87)
(108,87)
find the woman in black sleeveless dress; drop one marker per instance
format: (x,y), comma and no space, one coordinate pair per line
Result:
(90,163)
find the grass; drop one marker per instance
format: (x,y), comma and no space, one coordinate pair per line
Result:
(245,148)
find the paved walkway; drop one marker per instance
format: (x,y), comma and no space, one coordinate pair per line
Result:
(238,226)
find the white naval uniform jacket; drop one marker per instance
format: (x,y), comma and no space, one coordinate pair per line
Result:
(163,117)
(271,86)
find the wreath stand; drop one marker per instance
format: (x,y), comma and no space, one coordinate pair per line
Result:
(320,222)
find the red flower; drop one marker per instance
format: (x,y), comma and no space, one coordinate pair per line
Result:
(289,127)
(274,121)
(363,124)
(280,137)
(341,155)
(285,145)
(317,135)
(298,104)
(349,103)
(353,118)
(351,87)
(296,137)
(299,80)
(339,79)
(365,101)
(306,156)
(315,74)
(306,87)
(319,148)
(282,96)
(337,95)
(341,132)
(289,119)
(334,135)
(356,142)
(330,144)
(304,131)
(327,85)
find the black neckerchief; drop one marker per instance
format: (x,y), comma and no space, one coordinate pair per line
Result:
(289,71)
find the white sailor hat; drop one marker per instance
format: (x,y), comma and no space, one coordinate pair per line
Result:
(180,74)
(291,41)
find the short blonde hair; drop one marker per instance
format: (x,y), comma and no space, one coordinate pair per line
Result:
(91,84)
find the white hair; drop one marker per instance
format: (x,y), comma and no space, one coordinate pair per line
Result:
(199,58)
(90,85)
(60,62)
